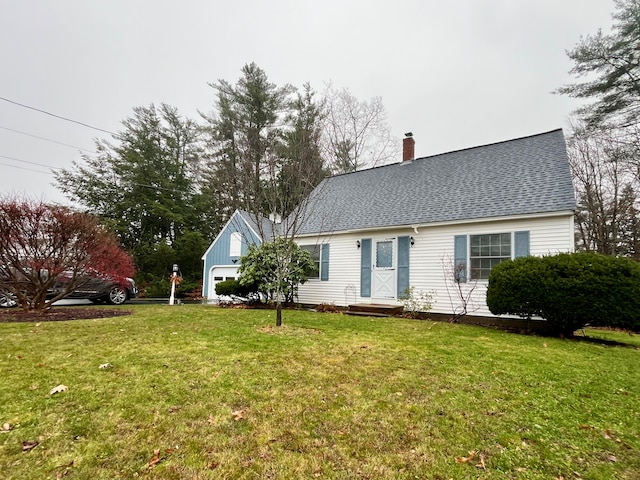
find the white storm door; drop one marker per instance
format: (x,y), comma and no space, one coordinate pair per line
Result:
(384,269)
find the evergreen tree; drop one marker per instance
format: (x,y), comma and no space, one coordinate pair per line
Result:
(265,159)
(145,186)
(245,135)
(613,63)
(302,165)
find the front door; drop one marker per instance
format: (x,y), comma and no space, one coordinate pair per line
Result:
(384,269)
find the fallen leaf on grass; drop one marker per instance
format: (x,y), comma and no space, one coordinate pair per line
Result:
(214,465)
(238,414)
(58,389)
(6,427)
(481,464)
(105,365)
(471,456)
(608,435)
(585,427)
(612,458)
(27,445)
(155,460)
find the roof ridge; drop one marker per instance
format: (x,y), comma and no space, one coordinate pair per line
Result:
(489,144)
(447,153)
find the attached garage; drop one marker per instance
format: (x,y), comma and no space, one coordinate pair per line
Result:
(219,274)
(222,258)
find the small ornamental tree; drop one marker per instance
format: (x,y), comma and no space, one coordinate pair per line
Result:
(570,291)
(277,268)
(41,244)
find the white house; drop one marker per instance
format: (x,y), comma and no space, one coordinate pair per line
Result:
(422,222)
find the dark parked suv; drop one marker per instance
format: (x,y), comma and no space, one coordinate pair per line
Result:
(98,290)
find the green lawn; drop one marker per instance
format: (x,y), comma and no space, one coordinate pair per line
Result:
(201,392)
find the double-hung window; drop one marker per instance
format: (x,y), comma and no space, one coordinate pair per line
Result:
(487,251)
(320,255)
(314,250)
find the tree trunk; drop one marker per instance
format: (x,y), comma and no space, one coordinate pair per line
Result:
(278,313)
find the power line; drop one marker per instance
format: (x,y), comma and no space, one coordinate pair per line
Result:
(23,168)
(46,139)
(153,187)
(27,161)
(57,116)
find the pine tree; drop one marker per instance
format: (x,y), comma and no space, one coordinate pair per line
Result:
(612,62)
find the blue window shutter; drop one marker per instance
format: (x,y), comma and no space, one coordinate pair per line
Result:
(521,244)
(365,267)
(324,262)
(403,265)
(460,258)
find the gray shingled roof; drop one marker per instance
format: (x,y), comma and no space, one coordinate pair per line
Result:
(265,228)
(522,176)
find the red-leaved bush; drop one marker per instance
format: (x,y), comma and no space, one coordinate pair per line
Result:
(40,243)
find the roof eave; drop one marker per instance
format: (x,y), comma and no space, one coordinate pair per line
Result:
(466,221)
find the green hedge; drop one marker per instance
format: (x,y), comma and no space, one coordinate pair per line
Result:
(233,287)
(569,290)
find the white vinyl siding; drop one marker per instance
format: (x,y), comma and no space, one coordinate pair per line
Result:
(430,256)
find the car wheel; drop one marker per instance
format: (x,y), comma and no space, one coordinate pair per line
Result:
(117,296)
(7,301)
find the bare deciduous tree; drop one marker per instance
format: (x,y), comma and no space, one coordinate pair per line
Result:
(356,133)
(459,290)
(602,165)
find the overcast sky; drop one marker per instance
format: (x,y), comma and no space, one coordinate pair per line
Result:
(457,73)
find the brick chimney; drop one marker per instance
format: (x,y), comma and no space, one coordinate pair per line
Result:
(408,147)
